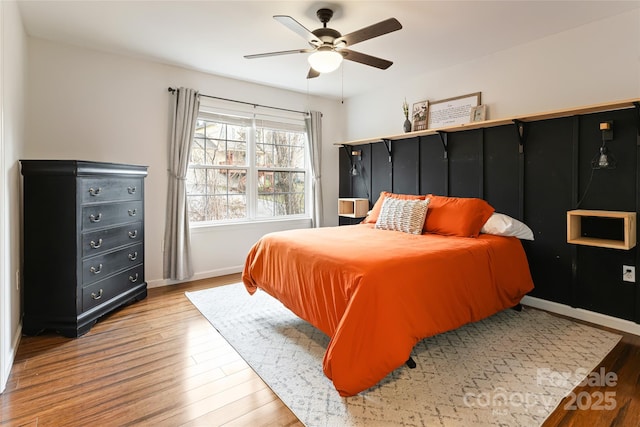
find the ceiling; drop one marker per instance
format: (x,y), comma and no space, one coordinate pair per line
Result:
(212,36)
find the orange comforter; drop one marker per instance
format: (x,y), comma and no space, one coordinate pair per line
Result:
(376,293)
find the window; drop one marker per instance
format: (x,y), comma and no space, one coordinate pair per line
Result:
(244,168)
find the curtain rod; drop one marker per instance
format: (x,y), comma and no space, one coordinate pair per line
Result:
(173,90)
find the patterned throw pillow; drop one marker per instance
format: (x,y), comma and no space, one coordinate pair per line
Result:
(402,215)
(373,214)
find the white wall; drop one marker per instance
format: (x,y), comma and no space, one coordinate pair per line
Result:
(595,63)
(89,105)
(13,53)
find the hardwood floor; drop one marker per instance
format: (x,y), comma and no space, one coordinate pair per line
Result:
(159,362)
(588,405)
(155,362)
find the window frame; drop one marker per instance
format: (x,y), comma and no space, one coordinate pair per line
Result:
(287,123)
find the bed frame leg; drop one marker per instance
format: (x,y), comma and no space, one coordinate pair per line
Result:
(517,307)
(411,363)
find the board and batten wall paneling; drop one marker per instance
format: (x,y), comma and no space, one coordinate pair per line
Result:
(406,166)
(434,168)
(358,185)
(502,165)
(466,164)
(600,287)
(610,189)
(361,183)
(548,174)
(599,284)
(381,170)
(344,169)
(538,185)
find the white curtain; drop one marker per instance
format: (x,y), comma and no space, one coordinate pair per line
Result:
(177,245)
(313,123)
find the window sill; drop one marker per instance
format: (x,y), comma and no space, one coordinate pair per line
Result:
(303,222)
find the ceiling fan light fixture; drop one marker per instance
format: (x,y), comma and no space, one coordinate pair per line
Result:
(325,60)
(328,47)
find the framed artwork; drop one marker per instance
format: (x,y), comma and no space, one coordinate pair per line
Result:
(478,113)
(452,111)
(419,115)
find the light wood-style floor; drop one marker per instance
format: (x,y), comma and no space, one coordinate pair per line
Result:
(159,362)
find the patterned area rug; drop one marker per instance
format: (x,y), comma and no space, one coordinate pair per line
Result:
(511,369)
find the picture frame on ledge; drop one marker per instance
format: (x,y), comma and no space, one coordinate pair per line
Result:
(478,113)
(419,114)
(452,111)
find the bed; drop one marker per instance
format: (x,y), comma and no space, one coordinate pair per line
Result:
(377,292)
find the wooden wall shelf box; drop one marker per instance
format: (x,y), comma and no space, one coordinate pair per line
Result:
(353,207)
(574,229)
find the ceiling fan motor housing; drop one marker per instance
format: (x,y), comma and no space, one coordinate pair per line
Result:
(326,35)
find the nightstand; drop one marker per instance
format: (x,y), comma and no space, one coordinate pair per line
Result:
(627,224)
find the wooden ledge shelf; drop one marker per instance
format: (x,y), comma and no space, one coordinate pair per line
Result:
(353,207)
(608,106)
(574,229)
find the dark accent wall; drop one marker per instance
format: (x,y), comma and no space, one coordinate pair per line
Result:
(536,178)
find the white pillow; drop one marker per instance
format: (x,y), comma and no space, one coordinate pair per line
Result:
(503,225)
(402,215)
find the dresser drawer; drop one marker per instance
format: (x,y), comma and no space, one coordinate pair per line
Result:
(101,266)
(97,242)
(102,291)
(96,190)
(98,216)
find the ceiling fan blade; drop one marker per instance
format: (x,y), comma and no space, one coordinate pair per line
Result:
(312,73)
(282,52)
(366,33)
(298,28)
(365,59)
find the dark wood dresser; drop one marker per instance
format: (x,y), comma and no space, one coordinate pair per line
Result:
(83,245)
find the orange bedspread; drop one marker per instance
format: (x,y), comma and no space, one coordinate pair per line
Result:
(376,293)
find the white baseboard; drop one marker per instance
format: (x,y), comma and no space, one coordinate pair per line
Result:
(197,276)
(582,314)
(11,356)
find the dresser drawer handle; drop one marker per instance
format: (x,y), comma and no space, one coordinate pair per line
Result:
(133,212)
(95,191)
(95,245)
(95,218)
(96,270)
(131,190)
(133,234)
(133,256)
(133,279)
(96,296)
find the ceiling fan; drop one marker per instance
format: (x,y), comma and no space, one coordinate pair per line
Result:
(329,47)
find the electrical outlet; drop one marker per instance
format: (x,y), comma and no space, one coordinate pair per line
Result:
(629,273)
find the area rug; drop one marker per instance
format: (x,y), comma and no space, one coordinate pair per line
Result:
(511,369)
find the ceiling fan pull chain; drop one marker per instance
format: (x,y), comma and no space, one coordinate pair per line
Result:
(342,89)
